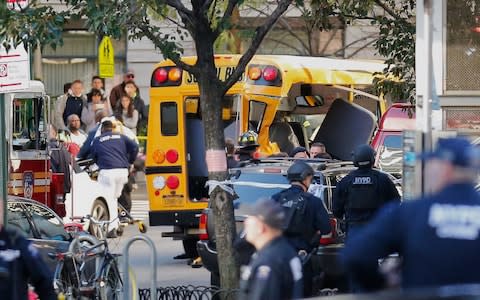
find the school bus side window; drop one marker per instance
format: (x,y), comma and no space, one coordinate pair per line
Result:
(256,111)
(169,118)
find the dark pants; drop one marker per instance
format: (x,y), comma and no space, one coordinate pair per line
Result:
(125,198)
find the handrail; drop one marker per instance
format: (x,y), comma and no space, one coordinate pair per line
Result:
(153,262)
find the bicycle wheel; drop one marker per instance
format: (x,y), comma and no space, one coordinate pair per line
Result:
(111,287)
(65,279)
(110,284)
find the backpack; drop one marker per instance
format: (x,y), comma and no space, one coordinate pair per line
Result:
(294,206)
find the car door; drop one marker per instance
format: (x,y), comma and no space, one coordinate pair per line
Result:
(49,235)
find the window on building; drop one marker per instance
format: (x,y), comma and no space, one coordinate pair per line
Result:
(76,59)
(462,69)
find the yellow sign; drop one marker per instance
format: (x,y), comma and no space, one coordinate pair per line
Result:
(106,58)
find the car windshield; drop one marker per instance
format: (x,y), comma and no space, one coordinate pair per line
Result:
(48,224)
(17,220)
(250,194)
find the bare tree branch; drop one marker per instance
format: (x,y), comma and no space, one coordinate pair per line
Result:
(157,40)
(260,34)
(177,4)
(356,41)
(389,10)
(288,45)
(360,49)
(226,15)
(284,24)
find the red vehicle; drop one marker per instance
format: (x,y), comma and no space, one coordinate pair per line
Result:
(30,174)
(388,138)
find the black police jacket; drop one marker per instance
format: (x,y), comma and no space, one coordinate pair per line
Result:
(274,273)
(438,238)
(20,263)
(315,218)
(360,194)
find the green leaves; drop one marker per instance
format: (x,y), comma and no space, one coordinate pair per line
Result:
(32,26)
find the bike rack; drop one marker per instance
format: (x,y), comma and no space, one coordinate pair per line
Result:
(153,261)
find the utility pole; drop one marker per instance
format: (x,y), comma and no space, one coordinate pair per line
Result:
(427,92)
(4,161)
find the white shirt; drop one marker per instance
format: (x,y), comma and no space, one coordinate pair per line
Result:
(78,138)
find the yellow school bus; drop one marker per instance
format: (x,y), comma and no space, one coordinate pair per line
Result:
(287,99)
(175,165)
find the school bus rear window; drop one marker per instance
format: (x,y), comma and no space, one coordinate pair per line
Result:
(169,119)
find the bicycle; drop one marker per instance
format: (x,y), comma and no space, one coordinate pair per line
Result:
(88,270)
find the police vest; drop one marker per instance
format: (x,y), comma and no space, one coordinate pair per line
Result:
(294,205)
(363,192)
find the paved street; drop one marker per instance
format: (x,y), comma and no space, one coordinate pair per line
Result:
(169,271)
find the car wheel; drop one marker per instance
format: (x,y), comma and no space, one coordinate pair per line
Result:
(100,213)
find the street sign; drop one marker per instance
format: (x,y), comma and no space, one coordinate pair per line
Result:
(17,4)
(106,58)
(14,69)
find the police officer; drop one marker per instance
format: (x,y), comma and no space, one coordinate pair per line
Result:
(306,216)
(20,264)
(360,194)
(113,153)
(437,236)
(275,271)
(247,145)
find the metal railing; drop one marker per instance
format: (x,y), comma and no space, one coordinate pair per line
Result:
(153,263)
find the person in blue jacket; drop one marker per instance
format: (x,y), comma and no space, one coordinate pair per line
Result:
(437,236)
(113,153)
(275,271)
(360,194)
(20,264)
(306,217)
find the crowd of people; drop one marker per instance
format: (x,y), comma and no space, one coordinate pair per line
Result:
(82,120)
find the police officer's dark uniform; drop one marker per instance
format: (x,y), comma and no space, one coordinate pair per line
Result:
(275,271)
(437,236)
(306,216)
(359,195)
(20,263)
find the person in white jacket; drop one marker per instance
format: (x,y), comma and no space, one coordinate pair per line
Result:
(89,110)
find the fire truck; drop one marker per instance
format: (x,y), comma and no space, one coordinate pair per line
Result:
(30,170)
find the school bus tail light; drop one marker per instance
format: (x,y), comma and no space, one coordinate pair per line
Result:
(161,75)
(172,156)
(254,73)
(270,73)
(174,74)
(158,156)
(172,182)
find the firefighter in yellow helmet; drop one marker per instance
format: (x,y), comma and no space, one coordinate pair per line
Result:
(247,145)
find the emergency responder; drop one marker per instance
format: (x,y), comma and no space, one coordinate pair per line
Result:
(306,216)
(360,194)
(20,264)
(437,235)
(113,153)
(275,271)
(247,145)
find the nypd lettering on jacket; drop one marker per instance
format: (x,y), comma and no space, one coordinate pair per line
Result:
(455,221)
(362,180)
(109,137)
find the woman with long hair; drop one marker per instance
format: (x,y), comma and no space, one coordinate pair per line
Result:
(129,113)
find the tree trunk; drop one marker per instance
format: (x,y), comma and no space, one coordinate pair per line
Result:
(221,202)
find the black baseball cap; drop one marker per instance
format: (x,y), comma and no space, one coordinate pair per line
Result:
(268,211)
(458,151)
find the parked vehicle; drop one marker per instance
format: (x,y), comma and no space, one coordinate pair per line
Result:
(387,142)
(264,179)
(41,225)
